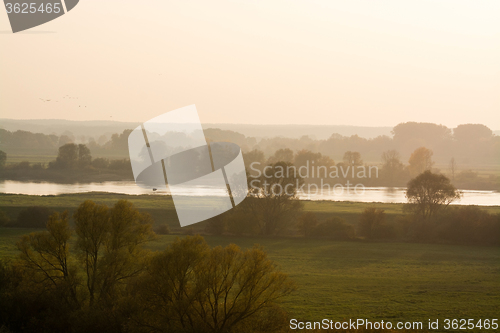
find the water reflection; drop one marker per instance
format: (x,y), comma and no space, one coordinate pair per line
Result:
(370,194)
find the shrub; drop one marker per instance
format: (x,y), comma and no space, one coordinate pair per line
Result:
(33,217)
(163,230)
(373,225)
(469,225)
(335,228)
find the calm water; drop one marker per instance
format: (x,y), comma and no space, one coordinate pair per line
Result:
(370,194)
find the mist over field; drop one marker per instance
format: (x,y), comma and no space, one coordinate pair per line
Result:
(258,166)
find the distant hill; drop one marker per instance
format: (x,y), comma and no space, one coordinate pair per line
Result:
(96,128)
(296,131)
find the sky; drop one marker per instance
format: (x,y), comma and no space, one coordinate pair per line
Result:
(364,63)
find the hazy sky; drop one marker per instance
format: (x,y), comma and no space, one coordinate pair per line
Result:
(369,63)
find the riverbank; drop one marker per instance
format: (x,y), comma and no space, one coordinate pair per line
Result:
(161,207)
(363,194)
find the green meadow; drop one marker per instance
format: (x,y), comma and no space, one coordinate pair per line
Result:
(336,280)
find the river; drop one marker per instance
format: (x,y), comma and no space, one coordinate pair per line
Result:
(368,194)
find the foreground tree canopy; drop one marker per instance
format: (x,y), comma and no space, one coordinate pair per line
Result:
(98,277)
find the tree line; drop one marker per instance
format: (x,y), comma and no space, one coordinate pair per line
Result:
(427,216)
(469,144)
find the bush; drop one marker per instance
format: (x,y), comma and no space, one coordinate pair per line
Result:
(33,217)
(335,228)
(163,230)
(189,231)
(468,225)
(373,225)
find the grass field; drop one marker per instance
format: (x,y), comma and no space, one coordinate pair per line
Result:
(377,281)
(336,280)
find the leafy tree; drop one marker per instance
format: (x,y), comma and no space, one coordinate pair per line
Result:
(3,159)
(285,155)
(84,156)
(407,134)
(352,158)
(420,161)
(472,133)
(392,169)
(255,156)
(67,158)
(272,199)
(190,287)
(120,141)
(428,193)
(71,156)
(307,158)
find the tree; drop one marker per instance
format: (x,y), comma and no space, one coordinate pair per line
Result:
(67,158)
(109,241)
(3,159)
(254,160)
(352,158)
(392,169)
(91,227)
(312,161)
(428,193)
(46,255)
(272,199)
(472,133)
(84,156)
(420,161)
(191,287)
(284,155)
(71,156)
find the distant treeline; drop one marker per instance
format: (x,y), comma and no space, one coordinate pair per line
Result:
(469,144)
(460,150)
